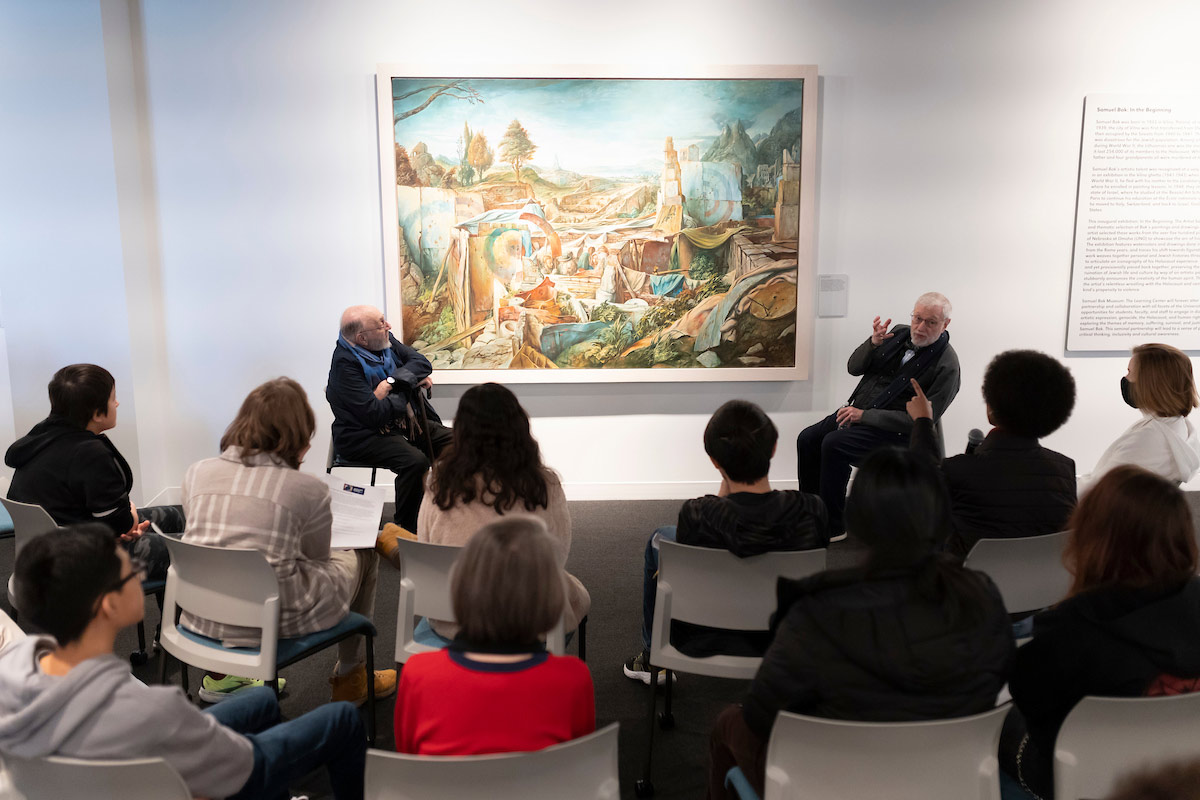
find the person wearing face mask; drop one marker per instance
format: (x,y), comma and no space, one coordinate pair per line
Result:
(1160,384)
(874,416)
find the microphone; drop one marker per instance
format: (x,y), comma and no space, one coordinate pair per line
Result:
(974,437)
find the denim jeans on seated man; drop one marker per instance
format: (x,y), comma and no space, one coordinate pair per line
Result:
(285,752)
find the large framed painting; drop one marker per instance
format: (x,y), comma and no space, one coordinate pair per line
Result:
(597,225)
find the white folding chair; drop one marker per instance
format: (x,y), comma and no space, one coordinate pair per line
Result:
(170,496)
(238,587)
(425,592)
(715,588)
(810,757)
(1028,570)
(1104,737)
(29,522)
(57,778)
(582,769)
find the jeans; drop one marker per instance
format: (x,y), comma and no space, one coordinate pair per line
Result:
(284,752)
(650,580)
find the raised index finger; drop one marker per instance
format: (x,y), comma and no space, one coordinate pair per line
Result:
(917,388)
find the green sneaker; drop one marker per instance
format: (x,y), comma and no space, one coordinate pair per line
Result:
(214,691)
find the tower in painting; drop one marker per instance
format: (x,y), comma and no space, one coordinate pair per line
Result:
(670,194)
(787,201)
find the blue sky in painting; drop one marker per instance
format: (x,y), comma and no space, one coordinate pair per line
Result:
(597,127)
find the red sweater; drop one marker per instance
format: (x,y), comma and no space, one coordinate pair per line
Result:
(449,705)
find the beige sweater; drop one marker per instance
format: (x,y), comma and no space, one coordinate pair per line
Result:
(282,512)
(456,525)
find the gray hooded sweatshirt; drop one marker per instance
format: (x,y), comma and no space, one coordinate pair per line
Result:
(99,710)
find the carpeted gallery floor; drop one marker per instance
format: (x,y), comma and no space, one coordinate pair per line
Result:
(606,554)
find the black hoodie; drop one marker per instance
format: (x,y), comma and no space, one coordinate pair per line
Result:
(857,645)
(1113,642)
(76,475)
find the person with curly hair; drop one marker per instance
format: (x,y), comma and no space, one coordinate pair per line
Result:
(491,468)
(1010,485)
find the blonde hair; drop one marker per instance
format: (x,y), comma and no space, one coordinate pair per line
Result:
(1165,386)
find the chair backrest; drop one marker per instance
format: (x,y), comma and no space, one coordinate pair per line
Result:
(425,592)
(842,760)
(708,586)
(1028,570)
(29,521)
(225,585)
(584,768)
(57,778)
(170,496)
(1105,737)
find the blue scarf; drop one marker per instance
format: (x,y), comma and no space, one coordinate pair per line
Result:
(376,366)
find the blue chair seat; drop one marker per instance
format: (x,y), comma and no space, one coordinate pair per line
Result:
(289,651)
(153,587)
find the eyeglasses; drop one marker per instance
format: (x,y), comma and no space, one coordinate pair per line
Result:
(933,323)
(138,570)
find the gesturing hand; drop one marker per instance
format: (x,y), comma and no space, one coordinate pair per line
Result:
(879,331)
(919,406)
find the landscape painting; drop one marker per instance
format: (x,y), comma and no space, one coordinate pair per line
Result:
(600,228)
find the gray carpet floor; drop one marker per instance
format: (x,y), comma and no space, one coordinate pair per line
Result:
(606,554)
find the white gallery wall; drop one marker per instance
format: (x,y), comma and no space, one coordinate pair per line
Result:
(189,195)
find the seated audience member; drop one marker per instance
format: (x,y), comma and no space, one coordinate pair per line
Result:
(496,689)
(67,694)
(254,496)
(1128,627)
(70,468)
(373,379)
(909,635)
(1160,384)
(874,415)
(491,468)
(746,517)
(1010,485)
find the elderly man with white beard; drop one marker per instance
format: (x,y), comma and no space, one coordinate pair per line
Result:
(875,416)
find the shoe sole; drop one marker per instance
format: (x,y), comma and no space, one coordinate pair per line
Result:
(839,538)
(217,697)
(644,677)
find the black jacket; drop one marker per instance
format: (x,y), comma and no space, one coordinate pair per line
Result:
(867,647)
(76,475)
(357,414)
(1010,486)
(1113,642)
(747,524)
(940,382)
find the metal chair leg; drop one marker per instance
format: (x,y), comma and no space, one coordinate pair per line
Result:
(138,657)
(581,632)
(370,691)
(645,786)
(666,720)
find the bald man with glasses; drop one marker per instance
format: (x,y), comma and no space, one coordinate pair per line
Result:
(875,414)
(377,390)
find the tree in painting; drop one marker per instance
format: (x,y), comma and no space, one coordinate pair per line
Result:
(515,148)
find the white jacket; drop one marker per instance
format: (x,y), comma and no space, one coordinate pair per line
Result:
(1167,446)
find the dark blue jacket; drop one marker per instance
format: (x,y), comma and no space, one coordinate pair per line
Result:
(357,414)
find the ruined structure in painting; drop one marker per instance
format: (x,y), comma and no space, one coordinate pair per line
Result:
(507,262)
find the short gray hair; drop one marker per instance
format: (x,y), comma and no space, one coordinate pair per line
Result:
(352,322)
(936,299)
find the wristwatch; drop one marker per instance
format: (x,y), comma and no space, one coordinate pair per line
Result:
(391,381)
